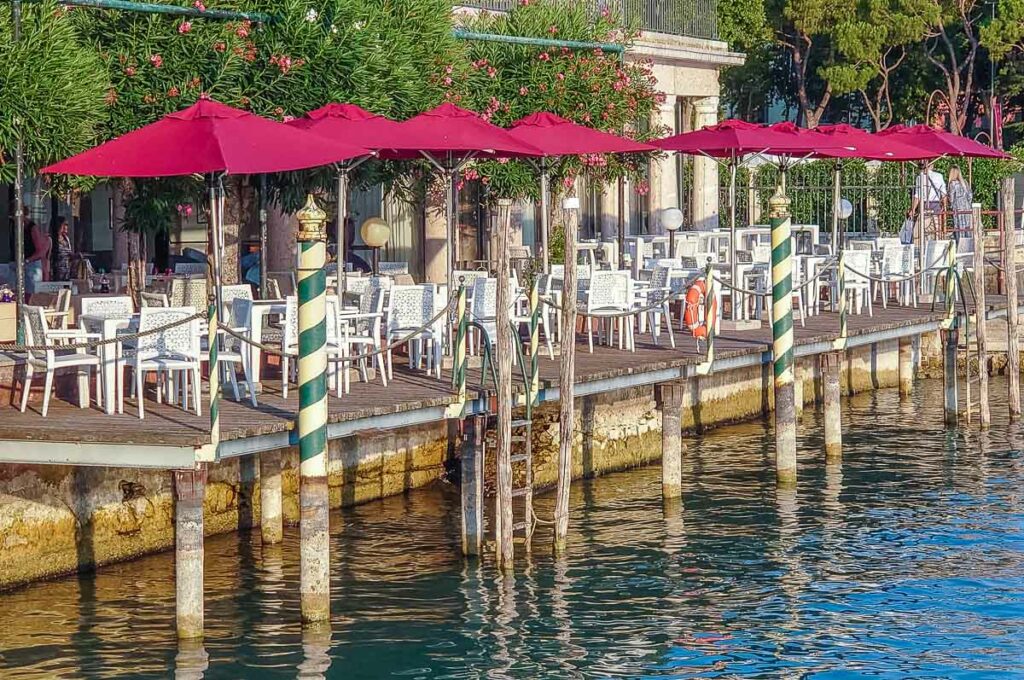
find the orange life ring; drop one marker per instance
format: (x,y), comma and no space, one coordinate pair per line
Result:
(693,306)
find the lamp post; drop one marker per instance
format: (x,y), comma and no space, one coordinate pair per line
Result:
(672,220)
(375,233)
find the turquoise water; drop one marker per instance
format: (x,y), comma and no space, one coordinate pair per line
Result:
(906,562)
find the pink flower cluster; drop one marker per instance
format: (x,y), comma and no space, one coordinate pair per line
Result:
(286,63)
(594,160)
(185,209)
(184,27)
(156,60)
(198,4)
(643,187)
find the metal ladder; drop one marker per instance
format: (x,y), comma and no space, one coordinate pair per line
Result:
(970,343)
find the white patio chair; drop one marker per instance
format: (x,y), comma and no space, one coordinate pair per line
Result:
(658,291)
(935,254)
(336,349)
(236,352)
(894,270)
(50,361)
(409,309)
(364,329)
(610,298)
(857,285)
(174,349)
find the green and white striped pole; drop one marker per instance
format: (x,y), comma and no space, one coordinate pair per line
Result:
(314,499)
(782,339)
(534,391)
(213,289)
(459,353)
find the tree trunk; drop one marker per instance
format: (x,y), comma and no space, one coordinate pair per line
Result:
(119,197)
(281,231)
(234,217)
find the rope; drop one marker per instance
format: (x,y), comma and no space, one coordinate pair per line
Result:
(354,357)
(639,310)
(123,337)
(901,279)
(1000,267)
(808,282)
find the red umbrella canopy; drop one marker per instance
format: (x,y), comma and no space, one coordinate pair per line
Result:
(734,138)
(858,143)
(556,136)
(207,137)
(348,121)
(940,143)
(448,131)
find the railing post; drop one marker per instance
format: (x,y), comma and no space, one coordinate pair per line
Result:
(1006,199)
(459,349)
(504,547)
(782,339)
(950,284)
(980,330)
(314,497)
(711,312)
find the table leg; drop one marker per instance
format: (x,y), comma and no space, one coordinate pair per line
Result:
(254,352)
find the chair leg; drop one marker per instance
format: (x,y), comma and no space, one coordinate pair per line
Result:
(668,325)
(197,391)
(284,376)
(139,373)
(26,386)
(391,364)
(234,381)
(381,366)
(590,335)
(47,388)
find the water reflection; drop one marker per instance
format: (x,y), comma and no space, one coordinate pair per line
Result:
(904,560)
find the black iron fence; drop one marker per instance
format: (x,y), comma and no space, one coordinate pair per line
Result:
(692,18)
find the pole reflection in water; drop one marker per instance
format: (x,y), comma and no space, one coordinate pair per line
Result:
(191,662)
(903,562)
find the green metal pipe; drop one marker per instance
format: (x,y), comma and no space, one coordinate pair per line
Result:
(154,8)
(538,42)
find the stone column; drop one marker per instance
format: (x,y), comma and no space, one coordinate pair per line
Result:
(271,516)
(670,397)
(705,170)
(906,366)
(830,392)
(664,172)
(609,221)
(472,485)
(435,228)
(189,492)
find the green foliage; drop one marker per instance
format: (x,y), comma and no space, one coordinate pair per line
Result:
(506,82)
(51,88)
(743,24)
(153,203)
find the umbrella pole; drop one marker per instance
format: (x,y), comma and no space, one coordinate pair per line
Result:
(450,199)
(263,236)
(342,283)
(836,204)
(544,190)
(732,238)
(19,208)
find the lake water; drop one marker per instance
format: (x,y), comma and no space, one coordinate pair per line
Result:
(906,562)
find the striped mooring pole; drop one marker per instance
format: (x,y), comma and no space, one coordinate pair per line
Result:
(782,339)
(314,536)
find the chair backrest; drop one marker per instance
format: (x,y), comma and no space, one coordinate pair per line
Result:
(190,269)
(63,300)
(935,253)
(34,321)
(240,316)
(485,299)
(860,244)
(53,286)
(859,260)
(393,268)
(274,289)
(155,300)
(233,292)
(892,260)
(762,253)
(120,305)
(410,306)
(887,242)
(659,279)
(179,341)
(291,321)
(610,290)
(285,282)
(189,293)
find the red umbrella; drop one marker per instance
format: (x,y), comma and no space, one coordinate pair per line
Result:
(859,143)
(207,137)
(556,136)
(348,122)
(735,138)
(940,143)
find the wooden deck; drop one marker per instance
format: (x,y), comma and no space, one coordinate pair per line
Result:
(414,391)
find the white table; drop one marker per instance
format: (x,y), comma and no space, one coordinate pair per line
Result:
(107,326)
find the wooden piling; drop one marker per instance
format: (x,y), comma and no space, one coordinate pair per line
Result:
(1006,199)
(189,492)
(670,398)
(832,406)
(503,453)
(566,378)
(472,485)
(907,367)
(950,340)
(314,496)
(981,332)
(798,390)
(271,515)
(782,339)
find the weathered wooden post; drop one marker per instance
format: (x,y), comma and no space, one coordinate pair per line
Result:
(472,485)
(670,398)
(782,339)
(1006,199)
(829,363)
(981,332)
(907,366)
(503,454)
(567,376)
(271,516)
(189,492)
(314,499)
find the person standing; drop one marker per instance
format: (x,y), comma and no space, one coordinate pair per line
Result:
(65,251)
(929,198)
(960,203)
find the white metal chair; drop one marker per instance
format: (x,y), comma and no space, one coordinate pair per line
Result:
(610,298)
(50,361)
(174,349)
(657,293)
(935,254)
(234,351)
(409,309)
(364,329)
(857,283)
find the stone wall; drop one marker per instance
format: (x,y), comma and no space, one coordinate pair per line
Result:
(58,519)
